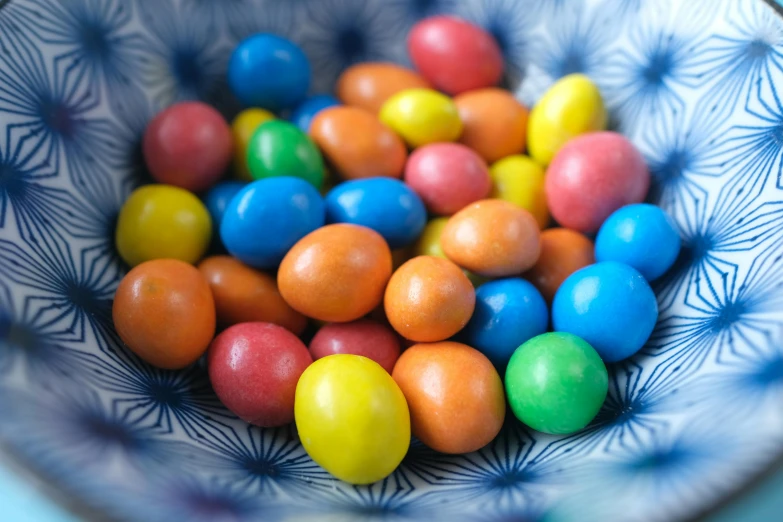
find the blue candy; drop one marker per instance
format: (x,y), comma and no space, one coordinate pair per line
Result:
(385,205)
(218,198)
(267,217)
(642,236)
(269,71)
(508,312)
(610,305)
(303,115)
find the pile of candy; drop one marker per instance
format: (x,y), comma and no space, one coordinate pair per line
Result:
(435,240)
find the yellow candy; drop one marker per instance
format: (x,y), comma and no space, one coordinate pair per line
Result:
(242,129)
(422,116)
(572,106)
(162,221)
(429,245)
(352,418)
(520,180)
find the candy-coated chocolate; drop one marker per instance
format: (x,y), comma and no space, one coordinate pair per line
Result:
(447,176)
(254,369)
(454,393)
(368,85)
(455,55)
(556,383)
(161,221)
(429,299)
(563,252)
(494,123)
(520,180)
(242,129)
(243,294)
(591,177)
(267,217)
(385,205)
(492,238)
(279,148)
(364,337)
(357,145)
(610,305)
(429,245)
(269,71)
(218,198)
(352,418)
(422,116)
(187,145)
(337,273)
(164,312)
(508,313)
(571,107)
(306,111)
(642,236)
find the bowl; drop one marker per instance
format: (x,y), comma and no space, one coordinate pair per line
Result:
(690,420)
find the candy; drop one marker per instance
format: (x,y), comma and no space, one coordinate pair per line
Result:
(306,111)
(454,393)
(164,312)
(642,236)
(385,205)
(337,273)
(422,116)
(609,305)
(242,129)
(447,176)
(267,217)
(357,145)
(494,123)
(492,238)
(591,177)
(244,295)
(363,337)
(187,145)
(520,180)
(429,245)
(278,148)
(218,198)
(556,383)
(563,252)
(455,55)
(368,85)
(352,418)
(254,368)
(268,71)
(572,106)
(161,221)
(508,313)
(429,299)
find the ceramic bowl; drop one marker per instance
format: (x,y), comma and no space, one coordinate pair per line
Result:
(691,419)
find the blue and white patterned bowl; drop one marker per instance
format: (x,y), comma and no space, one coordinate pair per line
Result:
(695,416)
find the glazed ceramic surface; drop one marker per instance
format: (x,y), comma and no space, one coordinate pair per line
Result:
(690,419)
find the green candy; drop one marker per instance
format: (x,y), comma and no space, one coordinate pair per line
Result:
(279,148)
(556,383)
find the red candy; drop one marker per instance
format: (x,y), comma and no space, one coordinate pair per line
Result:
(254,368)
(592,176)
(447,177)
(362,337)
(455,55)
(188,145)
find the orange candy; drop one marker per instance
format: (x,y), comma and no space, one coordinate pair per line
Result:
(368,85)
(563,252)
(243,294)
(454,394)
(494,123)
(429,299)
(357,144)
(336,273)
(164,311)
(492,238)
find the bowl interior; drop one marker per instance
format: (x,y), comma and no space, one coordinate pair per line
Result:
(692,83)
